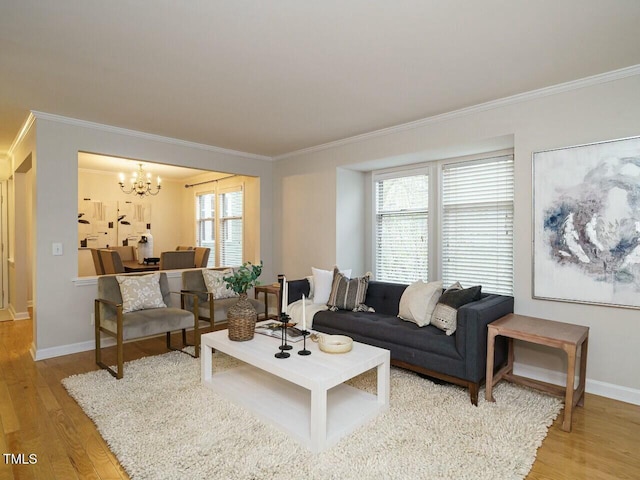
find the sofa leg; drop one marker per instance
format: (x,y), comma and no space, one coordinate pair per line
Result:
(473,392)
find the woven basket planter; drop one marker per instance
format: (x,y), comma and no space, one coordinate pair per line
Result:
(241,320)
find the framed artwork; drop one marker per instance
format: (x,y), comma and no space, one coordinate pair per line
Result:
(586,223)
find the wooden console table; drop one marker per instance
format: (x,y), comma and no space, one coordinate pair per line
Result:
(266,290)
(565,336)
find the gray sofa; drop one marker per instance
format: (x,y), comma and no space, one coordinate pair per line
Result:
(460,358)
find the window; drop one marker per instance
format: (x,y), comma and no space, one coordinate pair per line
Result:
(469,204)
(402,233)
(231,228)
(219,225)
(477,224)
(206,224)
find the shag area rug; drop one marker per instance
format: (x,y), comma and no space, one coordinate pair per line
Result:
(162,424)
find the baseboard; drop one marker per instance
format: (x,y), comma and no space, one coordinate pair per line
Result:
(18,315)
(604,389)
(51,352)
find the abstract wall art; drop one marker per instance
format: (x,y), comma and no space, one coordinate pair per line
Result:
(586,223)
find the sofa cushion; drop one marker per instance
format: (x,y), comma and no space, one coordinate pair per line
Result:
(386,328)
(384,297)
(418,302)
(446,312)
(348,294)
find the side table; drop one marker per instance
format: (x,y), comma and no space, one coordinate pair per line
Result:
(565,336)
(266,290)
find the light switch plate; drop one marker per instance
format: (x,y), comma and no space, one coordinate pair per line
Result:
(56,249)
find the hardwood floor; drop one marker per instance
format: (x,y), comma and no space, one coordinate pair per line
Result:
(38,417)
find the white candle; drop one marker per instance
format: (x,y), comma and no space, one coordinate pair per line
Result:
(304,314)
(285,295)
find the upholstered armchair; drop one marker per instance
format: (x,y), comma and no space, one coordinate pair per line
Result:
(134,306)
(209,309)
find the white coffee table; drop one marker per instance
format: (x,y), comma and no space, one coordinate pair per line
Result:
(305,396)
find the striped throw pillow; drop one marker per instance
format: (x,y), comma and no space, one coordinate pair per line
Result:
(348,294)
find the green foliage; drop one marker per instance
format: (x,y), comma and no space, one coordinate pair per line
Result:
(244,277)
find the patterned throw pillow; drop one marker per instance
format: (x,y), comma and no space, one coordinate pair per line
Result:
(348,294)
(140,292)
(445,316)
(216,285)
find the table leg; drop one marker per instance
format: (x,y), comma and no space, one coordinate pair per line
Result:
(205,366)
(583,370)
(384,371)
(491,339)
(568,397)
(318,419)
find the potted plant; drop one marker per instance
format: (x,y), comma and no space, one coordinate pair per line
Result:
(241,317)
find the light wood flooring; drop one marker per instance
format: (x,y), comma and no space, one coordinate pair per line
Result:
(38,417)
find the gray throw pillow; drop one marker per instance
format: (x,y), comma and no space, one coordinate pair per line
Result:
(348,294)
(445,316)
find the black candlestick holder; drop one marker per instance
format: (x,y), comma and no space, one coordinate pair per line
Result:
(304,350)
(284,318)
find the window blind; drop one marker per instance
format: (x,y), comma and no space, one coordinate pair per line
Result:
(477,224)
(402,230)
(206,224)
(231,206)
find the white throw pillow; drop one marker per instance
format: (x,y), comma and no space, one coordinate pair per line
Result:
(322,281)
(418,302)
(214,280)
(140,292)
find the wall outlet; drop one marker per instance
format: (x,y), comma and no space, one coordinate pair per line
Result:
(93,319)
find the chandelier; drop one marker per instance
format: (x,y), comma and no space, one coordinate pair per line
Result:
(140,183)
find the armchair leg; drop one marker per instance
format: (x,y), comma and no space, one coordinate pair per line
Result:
(97,333)
(120,348)
(181,350)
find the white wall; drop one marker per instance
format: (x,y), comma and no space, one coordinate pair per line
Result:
(20,225)
(350,220)
(166,207)
(307,185)
(62,306)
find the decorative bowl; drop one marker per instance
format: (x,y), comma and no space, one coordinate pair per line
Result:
(335,343)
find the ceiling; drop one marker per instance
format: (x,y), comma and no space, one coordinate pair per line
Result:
(270,77)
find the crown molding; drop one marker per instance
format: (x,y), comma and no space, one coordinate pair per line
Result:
(26,126)
(502,102)
(144,135)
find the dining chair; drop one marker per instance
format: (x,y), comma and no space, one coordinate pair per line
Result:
(97,261)
(111,261)
(202,256)
(175,260)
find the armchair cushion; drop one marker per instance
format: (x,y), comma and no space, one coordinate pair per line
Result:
(140,292)
(214,281)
